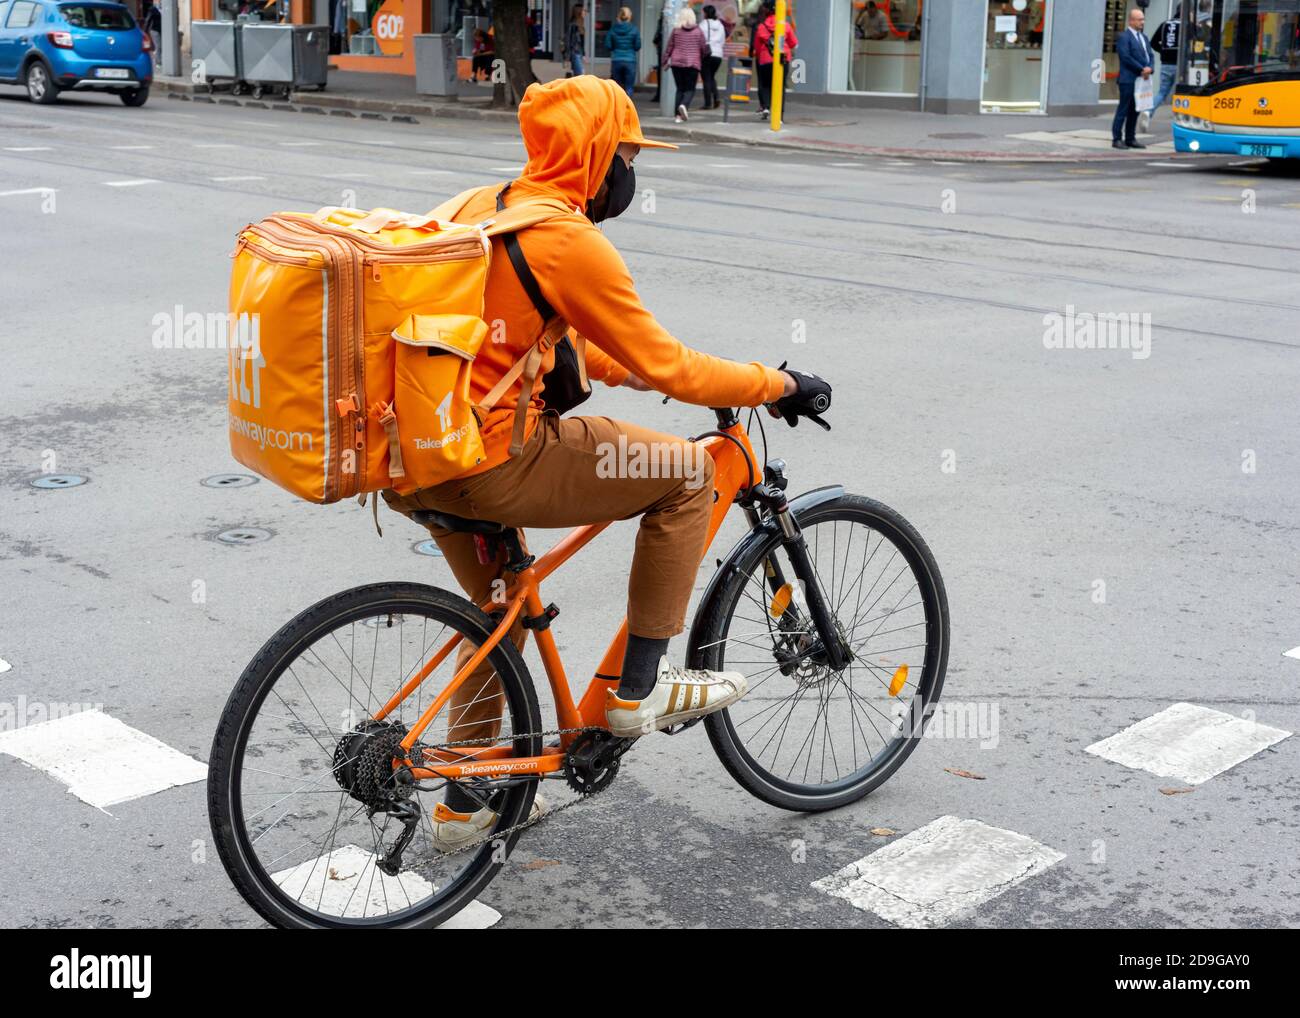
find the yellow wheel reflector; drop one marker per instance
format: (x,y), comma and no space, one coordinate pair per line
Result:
(896,683)
(781,600)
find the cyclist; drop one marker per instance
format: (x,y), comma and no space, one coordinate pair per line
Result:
(582,136)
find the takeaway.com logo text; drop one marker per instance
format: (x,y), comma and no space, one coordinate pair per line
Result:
(75,971)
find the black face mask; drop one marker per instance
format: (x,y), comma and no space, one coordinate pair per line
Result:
(620,189)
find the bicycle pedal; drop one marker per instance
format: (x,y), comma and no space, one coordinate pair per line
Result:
(679,728)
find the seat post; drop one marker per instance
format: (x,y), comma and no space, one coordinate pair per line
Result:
(517,560)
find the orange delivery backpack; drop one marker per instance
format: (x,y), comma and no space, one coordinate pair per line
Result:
(354,376)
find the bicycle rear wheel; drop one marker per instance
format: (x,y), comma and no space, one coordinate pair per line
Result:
(805,737)
(299,796)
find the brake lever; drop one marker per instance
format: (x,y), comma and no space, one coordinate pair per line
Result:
(817,420)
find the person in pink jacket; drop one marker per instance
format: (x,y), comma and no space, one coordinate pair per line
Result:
(764,43)
(685,55)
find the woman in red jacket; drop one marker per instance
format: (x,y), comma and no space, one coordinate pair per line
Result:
(685,55)
(764,43)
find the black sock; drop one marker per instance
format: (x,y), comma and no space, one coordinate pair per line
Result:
(461,801)
(640,666)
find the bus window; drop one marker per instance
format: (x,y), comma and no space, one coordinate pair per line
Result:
(1255,37)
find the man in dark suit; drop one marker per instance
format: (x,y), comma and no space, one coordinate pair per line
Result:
(1135,61)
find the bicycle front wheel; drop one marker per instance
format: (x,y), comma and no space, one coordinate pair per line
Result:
(302,796)
(806,737)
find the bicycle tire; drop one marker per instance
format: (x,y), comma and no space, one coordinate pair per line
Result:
(715,617)
(229,831)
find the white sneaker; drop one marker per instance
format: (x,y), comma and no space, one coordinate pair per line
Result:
(682,112)
(679,694)
(677,120)
(452,830)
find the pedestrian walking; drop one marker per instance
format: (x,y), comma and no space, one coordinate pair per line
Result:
(623,43)
(715,38)
(151,19)
(484,53)
(764,54)
(1135,60)
(575,40)
(1166,38)
(684,55)
(659,56)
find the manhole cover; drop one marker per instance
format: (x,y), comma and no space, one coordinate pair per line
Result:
(243,535)
(956,135)
(58,481)
(228,481)
(429,548)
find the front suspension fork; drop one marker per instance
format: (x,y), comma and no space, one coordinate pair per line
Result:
(836,651)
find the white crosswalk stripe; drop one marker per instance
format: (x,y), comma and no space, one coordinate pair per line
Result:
(102,761)
(940,872)
(1187,742)
(329,884)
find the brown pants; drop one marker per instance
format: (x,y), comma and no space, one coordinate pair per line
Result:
(574,471)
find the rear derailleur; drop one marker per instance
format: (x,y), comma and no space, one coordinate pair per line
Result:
(363,767)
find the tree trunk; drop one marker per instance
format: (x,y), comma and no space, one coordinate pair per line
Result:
(510,28)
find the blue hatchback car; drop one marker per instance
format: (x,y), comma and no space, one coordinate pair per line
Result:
(49,46)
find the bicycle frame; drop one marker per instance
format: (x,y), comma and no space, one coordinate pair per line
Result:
(736,468)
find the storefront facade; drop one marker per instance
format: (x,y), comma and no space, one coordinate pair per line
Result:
(963,56)
(941,56)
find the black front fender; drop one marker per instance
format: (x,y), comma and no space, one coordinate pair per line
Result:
(799,504)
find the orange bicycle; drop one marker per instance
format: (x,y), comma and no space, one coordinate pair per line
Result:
(338,742)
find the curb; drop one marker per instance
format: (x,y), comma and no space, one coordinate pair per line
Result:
(411,112)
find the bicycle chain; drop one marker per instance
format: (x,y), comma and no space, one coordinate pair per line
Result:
(528,821)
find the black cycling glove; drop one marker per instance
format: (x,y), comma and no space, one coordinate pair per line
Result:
(811,399)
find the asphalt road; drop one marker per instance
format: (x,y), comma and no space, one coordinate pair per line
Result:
(1032,472)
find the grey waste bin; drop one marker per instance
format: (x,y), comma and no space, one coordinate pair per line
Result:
(435,65)
(284,56)
(216,43)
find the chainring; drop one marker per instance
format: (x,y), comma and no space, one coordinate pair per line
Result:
(591,763)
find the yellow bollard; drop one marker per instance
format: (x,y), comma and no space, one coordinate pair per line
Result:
(778,67)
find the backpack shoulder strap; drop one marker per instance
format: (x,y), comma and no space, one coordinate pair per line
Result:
(506,225)
(452,207)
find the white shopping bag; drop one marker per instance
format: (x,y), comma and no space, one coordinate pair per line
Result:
(1144,94)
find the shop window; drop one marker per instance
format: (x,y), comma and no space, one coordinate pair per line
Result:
(885,47)
(1014,52)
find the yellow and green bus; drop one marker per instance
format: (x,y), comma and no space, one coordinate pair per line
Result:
(1238,85)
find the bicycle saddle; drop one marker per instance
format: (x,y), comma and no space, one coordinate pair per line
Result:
(456,524)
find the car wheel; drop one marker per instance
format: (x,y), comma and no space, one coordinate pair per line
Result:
(40,87)
(135,96)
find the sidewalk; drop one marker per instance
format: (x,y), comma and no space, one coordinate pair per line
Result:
(843,130)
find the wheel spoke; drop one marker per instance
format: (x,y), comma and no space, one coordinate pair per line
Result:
(316,856)
(802,724)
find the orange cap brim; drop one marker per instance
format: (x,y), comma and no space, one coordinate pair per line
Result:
(644,142)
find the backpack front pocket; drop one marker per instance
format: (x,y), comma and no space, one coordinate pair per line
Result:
(436,431)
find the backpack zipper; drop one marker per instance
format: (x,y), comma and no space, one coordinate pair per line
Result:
(334,253)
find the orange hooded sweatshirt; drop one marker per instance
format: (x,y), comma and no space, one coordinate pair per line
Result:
(571,128)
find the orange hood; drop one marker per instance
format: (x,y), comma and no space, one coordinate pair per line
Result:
(571,129)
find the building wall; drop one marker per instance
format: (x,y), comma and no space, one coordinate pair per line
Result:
(954,58)
(1076,31)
